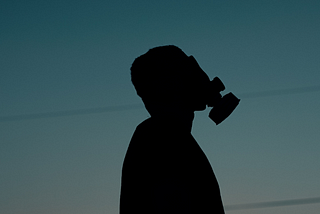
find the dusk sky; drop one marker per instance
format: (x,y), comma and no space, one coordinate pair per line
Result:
(68,108)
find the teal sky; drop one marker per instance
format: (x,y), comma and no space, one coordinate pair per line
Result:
(73,55)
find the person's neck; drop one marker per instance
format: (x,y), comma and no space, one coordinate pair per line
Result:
(179,120)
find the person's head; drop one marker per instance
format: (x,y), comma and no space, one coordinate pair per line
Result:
(167,80)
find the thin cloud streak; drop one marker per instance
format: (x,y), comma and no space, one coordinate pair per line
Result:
(279,203)
(71,112)
(279,92)
(248,95)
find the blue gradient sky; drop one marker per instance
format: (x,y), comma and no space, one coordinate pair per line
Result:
(71,55)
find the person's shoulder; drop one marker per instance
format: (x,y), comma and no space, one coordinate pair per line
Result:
(143,129)
(138,140)
(145,124)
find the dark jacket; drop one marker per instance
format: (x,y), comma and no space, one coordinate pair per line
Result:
(165,171)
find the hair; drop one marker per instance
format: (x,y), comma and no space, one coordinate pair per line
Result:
(160,74)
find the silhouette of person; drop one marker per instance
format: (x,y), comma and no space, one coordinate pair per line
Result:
(164,170)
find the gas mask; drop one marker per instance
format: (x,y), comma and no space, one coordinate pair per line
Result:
(222,106)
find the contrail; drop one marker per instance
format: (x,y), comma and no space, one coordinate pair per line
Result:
(247,95)
(273,204)
(71,112)
(279,92)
